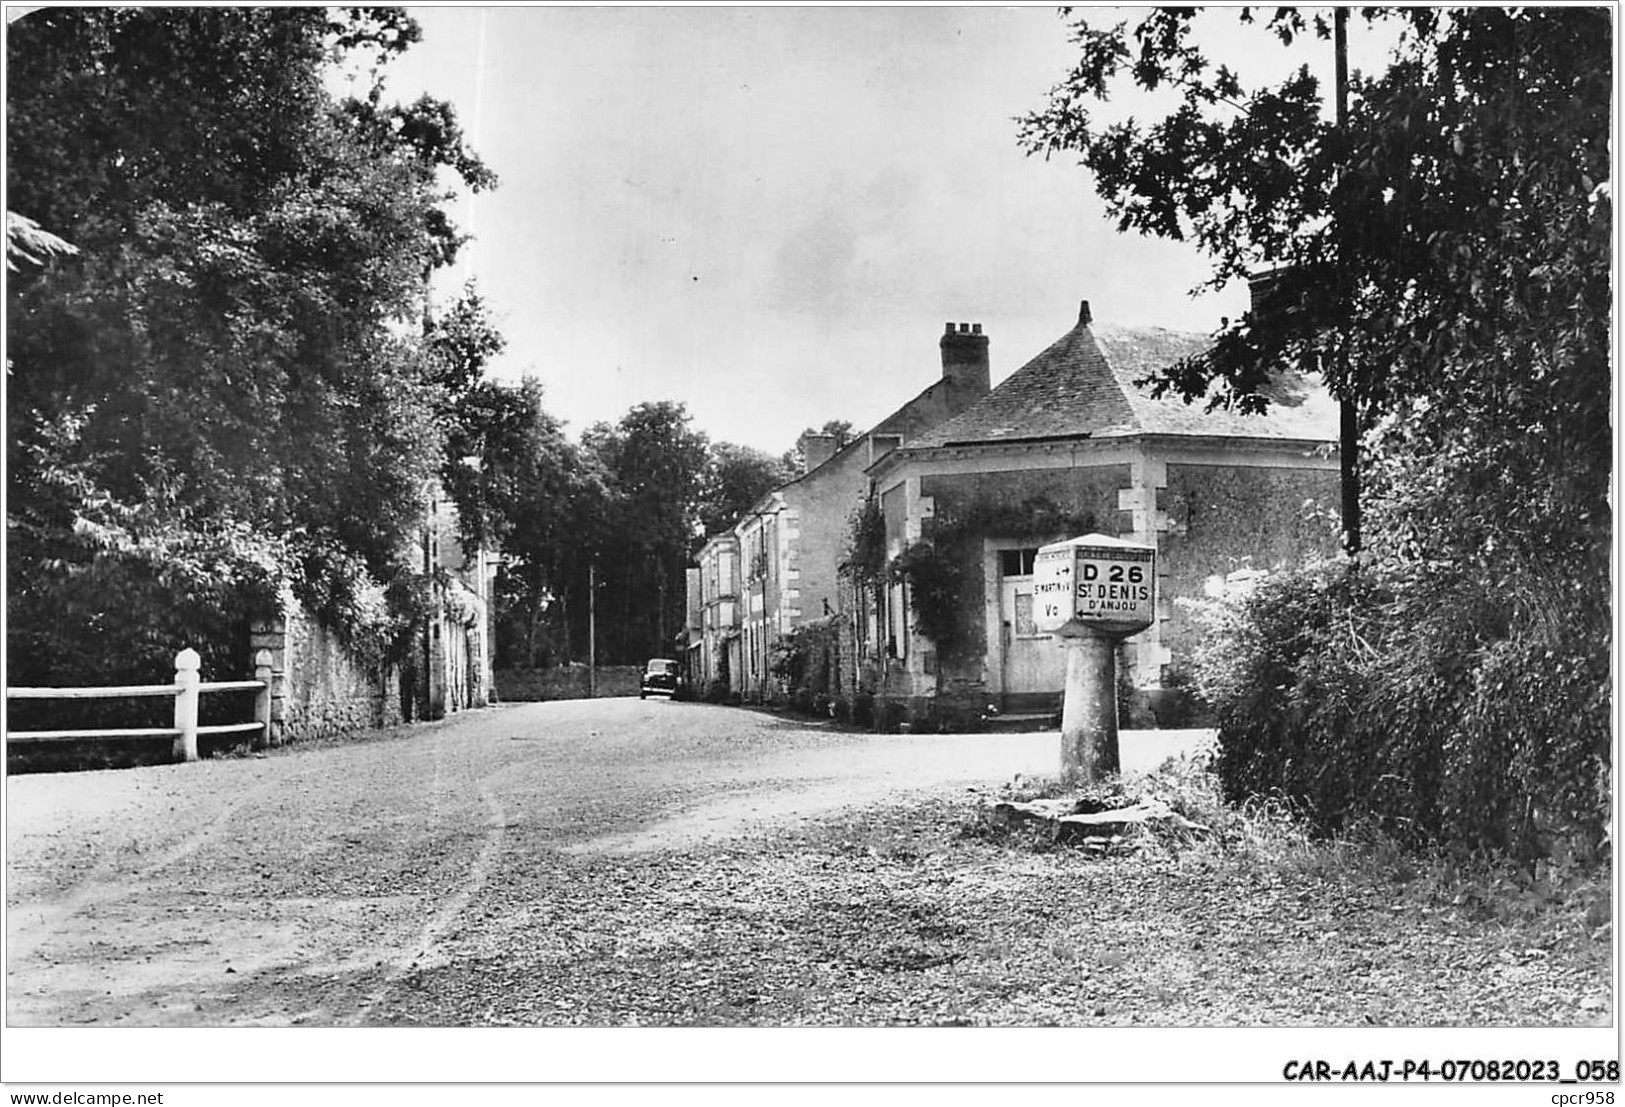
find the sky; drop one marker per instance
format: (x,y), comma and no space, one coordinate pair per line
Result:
(769,213)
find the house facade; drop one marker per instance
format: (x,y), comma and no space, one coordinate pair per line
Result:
(1068,445)
(719,654)
(788,548)
(453,659)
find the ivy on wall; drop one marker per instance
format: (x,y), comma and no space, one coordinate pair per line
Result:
(866,543)
(935,569)
(1038,518)
(933,576)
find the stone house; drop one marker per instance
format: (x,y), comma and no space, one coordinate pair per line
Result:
(714,647)
(691,640)
(1069,444)
(322,685)
(452,666)
(785,553)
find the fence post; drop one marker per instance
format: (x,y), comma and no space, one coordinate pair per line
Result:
(262,698)
(187,663)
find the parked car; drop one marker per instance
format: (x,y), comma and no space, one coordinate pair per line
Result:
(662,677)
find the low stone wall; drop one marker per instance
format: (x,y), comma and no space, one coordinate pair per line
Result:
(324,689)
(565,682)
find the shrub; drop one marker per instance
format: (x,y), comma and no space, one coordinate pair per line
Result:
(807,660)
(1421,697)
(933,576)
(113,599)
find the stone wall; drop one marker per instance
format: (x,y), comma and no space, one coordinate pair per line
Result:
(1225,518)
(821,507)
(565,682)
(319,686)
(1084,492)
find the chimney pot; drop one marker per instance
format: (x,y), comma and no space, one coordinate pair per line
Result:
(976,328)
(949,330)
(1084,317)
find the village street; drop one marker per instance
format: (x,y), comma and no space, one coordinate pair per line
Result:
(317,885)
(620,862)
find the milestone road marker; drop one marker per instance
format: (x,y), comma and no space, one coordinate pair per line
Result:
(1091,593)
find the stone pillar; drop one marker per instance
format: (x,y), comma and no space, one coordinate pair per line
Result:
(1089,708)
(263,673)
(270,635)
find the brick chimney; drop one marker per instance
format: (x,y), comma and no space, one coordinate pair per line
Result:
(815,450)
(964,364)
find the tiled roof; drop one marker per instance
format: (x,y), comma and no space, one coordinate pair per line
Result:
(1083,385)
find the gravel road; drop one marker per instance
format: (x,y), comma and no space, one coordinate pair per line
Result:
(315,885)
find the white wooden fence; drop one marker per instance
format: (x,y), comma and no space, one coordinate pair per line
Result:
(186,690)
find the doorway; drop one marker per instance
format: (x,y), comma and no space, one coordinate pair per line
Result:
(1032,663)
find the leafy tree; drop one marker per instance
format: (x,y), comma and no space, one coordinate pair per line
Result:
(461,344)
(735,478)
(220,358)
(1442,257)
(656,465)
(543,586)
(522,487)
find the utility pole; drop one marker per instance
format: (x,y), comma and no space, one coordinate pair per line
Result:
(592,627)
(1348,450)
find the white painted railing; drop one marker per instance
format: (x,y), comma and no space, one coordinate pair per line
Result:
(186,690)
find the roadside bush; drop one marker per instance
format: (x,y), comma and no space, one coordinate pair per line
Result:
(112,599)
(807,660)
(1419,696)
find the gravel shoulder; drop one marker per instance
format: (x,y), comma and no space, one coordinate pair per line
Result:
(615,863)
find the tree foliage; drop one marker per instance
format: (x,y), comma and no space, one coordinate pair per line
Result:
(1443,259)
(521,488)
(1416,696)
(736,477)
(638,547)
(224,355)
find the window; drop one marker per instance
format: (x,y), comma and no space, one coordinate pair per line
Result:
(896,622)
(1025,628)
(1017,563)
